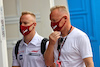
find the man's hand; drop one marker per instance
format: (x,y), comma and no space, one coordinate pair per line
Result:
(54,37)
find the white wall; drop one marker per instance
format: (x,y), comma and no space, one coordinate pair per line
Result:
(61,2)
(12,11)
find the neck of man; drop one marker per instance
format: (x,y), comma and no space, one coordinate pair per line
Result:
(29,37)
(65,31)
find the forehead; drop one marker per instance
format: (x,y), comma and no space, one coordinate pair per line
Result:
(55,14)
(26,17)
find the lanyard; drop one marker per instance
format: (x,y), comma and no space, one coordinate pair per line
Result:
(59,50)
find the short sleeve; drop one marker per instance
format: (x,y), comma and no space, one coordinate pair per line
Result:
(85,47)
(14,61)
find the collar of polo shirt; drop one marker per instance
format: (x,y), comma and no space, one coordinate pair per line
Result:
(34,41)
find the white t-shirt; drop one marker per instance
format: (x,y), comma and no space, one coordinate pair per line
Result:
(76,47)
(29,55)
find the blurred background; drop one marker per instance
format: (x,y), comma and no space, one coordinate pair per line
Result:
(84,15)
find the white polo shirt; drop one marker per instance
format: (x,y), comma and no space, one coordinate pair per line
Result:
(29,55)
(75,49)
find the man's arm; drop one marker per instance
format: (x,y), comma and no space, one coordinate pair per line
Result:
(49,53)
(89,62)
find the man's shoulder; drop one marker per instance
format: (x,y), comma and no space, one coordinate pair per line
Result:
(78,33)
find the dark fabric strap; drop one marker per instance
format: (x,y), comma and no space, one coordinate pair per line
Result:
(43,45)
(16,47)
